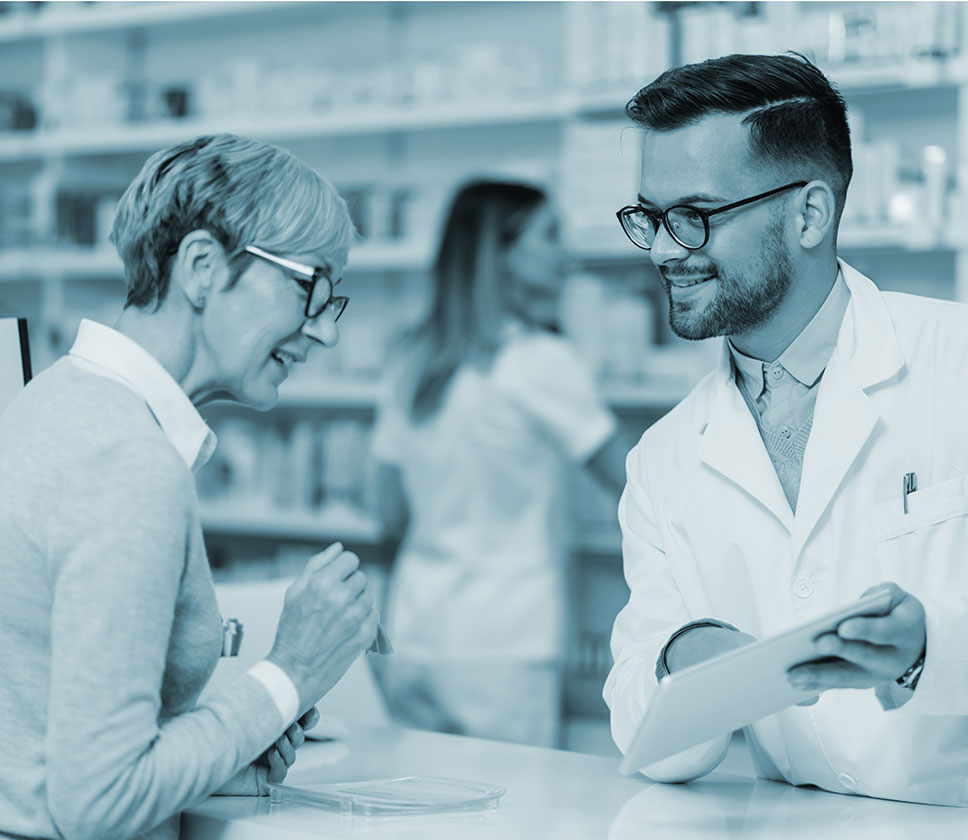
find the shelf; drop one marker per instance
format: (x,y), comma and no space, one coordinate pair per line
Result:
(109,16)
(335,522)
(898,238)
(331,393)
(107,140)
(364,393)
(602,538)
(910,75)
(21,263)
(342,522)
(103,262)
(659,396)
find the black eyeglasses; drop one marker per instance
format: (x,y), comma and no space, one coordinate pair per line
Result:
(687,225)
(319,296)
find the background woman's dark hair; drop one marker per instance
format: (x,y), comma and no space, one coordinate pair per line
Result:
(465,317)
(797,119)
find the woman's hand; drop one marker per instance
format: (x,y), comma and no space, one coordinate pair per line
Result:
(328,619)
(282,754)
(273,765)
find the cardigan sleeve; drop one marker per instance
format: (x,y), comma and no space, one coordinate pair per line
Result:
(117,546)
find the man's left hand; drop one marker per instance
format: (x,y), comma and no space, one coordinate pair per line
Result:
(866,651)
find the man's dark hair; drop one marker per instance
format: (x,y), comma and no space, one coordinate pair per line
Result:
(796,119)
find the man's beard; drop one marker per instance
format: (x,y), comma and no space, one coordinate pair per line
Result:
(739,305)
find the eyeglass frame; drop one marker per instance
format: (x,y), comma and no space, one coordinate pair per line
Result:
(312,276)
(663,215)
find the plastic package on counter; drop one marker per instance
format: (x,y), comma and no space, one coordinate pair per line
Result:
(405,795)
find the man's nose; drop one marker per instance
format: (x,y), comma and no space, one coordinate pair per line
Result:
(665,249)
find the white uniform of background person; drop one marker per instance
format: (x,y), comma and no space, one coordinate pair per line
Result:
(720,540)
(480,580)
(477,599)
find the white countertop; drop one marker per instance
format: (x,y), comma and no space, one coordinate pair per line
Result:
(559,795)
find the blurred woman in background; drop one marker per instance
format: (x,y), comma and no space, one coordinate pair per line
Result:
(486,408)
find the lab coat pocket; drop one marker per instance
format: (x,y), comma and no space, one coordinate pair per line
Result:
(925,549)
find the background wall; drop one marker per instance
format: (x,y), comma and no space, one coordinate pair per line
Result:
(396,103)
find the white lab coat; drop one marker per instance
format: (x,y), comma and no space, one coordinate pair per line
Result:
(481,573)
(707,531)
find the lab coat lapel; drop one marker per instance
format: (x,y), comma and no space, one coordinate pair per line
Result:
(845,417)
(731,445)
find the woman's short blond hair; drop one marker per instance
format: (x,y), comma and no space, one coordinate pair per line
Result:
(243,192)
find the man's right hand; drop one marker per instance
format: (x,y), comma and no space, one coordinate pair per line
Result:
(700,643)
(328,619)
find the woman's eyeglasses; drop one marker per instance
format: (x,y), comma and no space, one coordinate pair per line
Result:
(319,295)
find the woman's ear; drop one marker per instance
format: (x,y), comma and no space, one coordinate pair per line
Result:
(197,265)
(818,209)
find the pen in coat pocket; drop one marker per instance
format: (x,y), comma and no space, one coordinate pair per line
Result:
(910,485)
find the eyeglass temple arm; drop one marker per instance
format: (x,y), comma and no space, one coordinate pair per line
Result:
(292,265)
(751,199)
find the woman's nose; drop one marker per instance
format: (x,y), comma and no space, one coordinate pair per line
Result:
(323,329)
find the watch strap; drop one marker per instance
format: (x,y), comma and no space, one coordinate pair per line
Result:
(909,679)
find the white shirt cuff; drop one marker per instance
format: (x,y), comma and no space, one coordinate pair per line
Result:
(281,688)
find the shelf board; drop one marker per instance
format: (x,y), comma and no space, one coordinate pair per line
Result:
(329,393)
(602,538)
(135,138)
(22,263)
(911,75)
(364,393)
(107,16)
(336,522)
(103,262)
(897,238)
(658,396)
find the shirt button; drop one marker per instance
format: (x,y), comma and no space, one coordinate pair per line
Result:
(776,373)
(785,431)
(847,781)
(803,588)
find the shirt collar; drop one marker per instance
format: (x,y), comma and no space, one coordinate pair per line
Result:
(806,358)
(109,353)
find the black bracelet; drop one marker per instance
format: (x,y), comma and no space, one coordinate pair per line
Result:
(662,667)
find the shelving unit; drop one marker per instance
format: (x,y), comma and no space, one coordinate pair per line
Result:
(329,523)
(578,64)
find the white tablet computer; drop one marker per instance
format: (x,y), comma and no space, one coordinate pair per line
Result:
(728,692)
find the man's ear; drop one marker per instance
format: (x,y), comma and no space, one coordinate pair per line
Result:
(818,209)
(197,266)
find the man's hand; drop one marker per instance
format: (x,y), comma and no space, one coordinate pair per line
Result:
(868,651)
(282,754)
(703,642)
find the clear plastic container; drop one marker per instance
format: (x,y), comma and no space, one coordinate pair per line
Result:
(406,795)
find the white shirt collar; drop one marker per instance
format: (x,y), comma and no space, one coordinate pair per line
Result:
(807,356)
(106,352)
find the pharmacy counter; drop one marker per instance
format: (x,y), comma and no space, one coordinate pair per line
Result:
(558,795)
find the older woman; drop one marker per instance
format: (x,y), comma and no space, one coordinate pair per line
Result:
(109,628)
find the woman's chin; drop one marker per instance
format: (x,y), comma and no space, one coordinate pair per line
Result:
(263,398)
